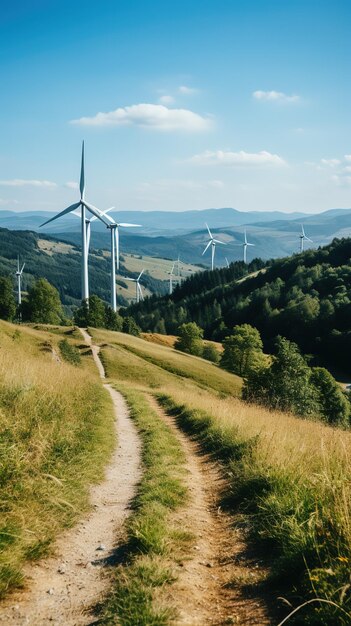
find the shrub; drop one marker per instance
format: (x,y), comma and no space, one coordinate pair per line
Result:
(210,353)
(69,352)
(243,350)
(333,405)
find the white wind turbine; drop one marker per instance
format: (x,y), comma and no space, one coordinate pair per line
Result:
(212,242)
(19,278)
(88,221)
(83,205)
(303,238)
(227,262)
(171,279)
(138,291)
(245,245)
(114,227)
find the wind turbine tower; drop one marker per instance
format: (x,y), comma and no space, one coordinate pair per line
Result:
(114,227)
(171,280)
(212,242)
(19,278)
(245,245)
(138,291)
(303,238)
(82,205)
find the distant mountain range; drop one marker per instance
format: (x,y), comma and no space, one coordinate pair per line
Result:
(169,234)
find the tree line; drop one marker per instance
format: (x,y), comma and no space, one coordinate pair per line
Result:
(305,298)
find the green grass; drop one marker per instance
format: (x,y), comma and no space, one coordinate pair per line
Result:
(69,352)
(299,525)
(56,434)
(153,543)
(168,360)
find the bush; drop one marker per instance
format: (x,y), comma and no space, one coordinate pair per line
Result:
(130,326)
(43,304)
(210,353)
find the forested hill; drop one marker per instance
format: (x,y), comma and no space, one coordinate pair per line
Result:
(306,298)
(60,264)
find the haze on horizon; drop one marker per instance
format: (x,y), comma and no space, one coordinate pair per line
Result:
(182,106)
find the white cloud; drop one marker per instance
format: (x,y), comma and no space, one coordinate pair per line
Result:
(166,99)
(154,116)
(347,157)
(19,182)
(331,162)
(341,181)
(187,90)
(275,96)
(71,184)
(235,159)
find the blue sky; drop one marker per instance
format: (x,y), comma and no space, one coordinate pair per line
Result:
(202,104)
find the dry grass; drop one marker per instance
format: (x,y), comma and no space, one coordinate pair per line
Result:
(289,477)
(169,340)
(57,432)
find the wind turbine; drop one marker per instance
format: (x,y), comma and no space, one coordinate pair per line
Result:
(245,245)
(19,277)
(303,238)
(138,292)
(83,205)
(114,226)
(212,242)
(171,280)
(227,262)
(88,221)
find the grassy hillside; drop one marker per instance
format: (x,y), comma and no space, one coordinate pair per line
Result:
(305,298)
(289,479)
(56,433)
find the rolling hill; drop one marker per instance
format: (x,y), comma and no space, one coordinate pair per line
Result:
(305,298)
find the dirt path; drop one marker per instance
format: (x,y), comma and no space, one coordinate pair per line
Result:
(62,589)
(209,588)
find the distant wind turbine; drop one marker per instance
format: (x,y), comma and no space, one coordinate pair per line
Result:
(171,280)
(212,242)
(114,226)
(19,277)
(303,238)
(83,205)
(245,245)
(227,262)
(138,291)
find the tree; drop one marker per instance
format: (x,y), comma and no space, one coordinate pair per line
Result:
(289,380)
(190,339)
(43,304)
(210,353)
(113,321)
(130,326)
(243,350)
(334,407)
(7,300)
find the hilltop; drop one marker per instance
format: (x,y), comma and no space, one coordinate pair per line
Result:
(305,297)
(169,234)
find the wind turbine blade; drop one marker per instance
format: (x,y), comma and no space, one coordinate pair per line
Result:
(209,232)
(95,212)
(222,242)
(207,247)
(250,244)
(140,275)
(18,263)
(82,176)
(77,213)
(133,280)
(245,236)
(140,291)
(302,231)
(22,268)
(68,210)
(126,225)
(308,239)
(105,214)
